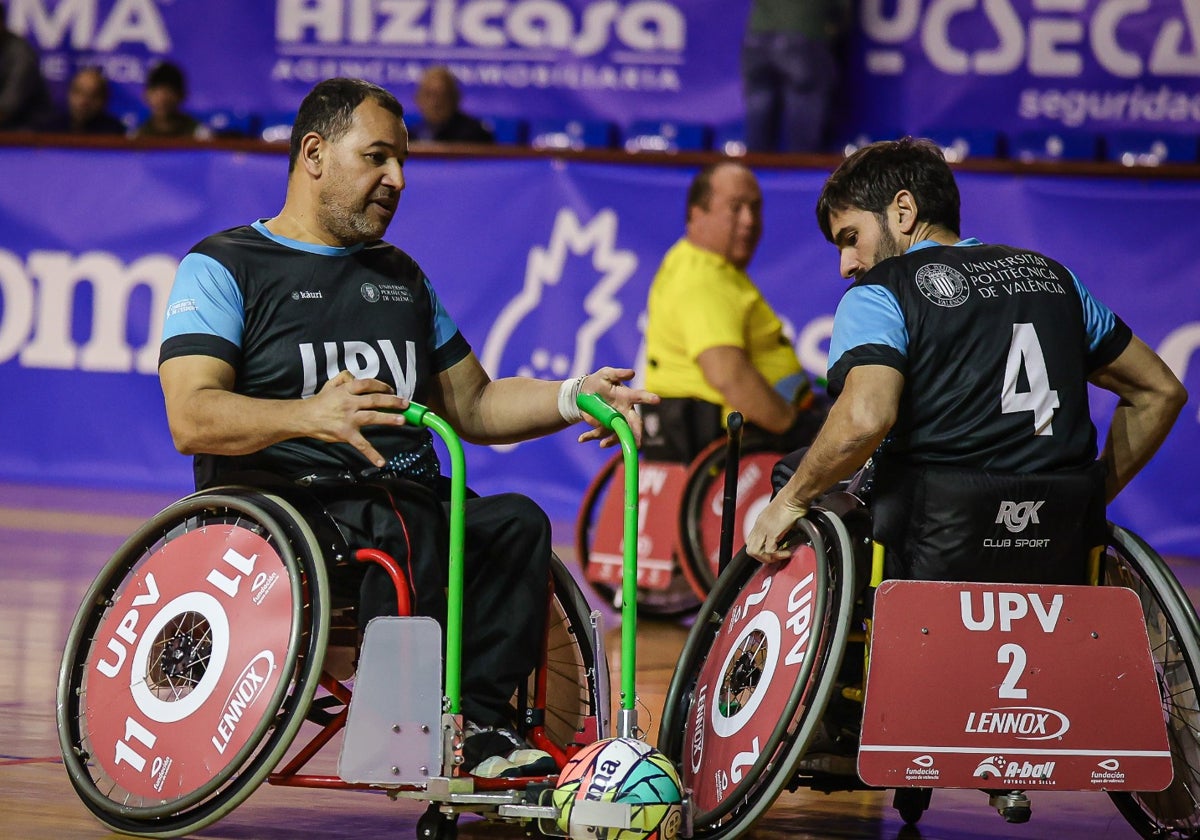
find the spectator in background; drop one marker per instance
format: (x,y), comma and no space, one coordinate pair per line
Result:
(165,91)
(87,106)
(438,98)
(25,101)
(790,72)
(713,343)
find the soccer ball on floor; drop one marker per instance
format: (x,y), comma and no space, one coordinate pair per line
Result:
(626,771)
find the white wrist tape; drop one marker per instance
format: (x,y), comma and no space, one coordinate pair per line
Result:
(568,393)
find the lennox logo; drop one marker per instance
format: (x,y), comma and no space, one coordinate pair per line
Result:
(246,689)
(1026,723)
(697,750)
(1016,515)
(38,309)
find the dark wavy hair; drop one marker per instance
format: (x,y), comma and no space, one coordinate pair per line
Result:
(870,178)
(328,109)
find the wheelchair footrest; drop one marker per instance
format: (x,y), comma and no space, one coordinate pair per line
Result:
(393,732)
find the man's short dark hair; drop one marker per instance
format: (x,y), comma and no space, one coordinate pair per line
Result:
(168,75)
(700,190)
(870,178)
(329,107)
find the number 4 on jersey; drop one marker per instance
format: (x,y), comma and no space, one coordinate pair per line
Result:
(1026,352)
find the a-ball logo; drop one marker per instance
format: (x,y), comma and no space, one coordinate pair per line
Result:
(996,767)
(1016,515)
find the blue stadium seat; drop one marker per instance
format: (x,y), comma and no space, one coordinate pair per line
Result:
(509,131)
(276,127)
(1034,145)
(225,123)
(1148,148)
(413,122)
(730,138)
(132,117)
(853,142)
(667,136)
(960,144)
(555,133)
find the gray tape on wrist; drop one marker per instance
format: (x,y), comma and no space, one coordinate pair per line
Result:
(568,392)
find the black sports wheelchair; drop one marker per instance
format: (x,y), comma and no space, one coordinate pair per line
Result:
(835,672)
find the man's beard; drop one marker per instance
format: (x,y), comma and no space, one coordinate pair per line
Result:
(348,227)
(888,246)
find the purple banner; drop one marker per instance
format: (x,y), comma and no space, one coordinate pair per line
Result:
(915,66)
(601,59)
(545,264)
(1009,65)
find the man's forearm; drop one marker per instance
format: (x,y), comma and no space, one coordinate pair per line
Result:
(1134,435)
(513,409)
(833,457)
(858,422)
(218,422)
(759,403)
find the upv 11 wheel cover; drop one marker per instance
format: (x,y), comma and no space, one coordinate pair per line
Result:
(217,598)
(752,679)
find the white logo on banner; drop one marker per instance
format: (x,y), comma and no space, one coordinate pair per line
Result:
(644,26)
(1050,42)
(515,44)
(38,300)
(82,25)
(545,267)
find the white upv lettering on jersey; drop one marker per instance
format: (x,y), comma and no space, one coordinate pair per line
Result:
(361,359)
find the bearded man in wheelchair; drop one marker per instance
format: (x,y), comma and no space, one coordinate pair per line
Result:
(970,406)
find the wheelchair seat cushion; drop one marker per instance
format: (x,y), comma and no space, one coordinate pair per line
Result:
(677,428)
(949,523)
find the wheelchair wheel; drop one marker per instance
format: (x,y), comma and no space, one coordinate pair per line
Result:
(755,675)
(677,599)
(191,662)
(573,668)
(1174,632)
(700,513)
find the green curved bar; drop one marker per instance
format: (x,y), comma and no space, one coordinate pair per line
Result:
(614,421)
(419,415)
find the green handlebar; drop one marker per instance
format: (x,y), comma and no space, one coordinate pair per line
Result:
(419,415)
(614,421)
(610,418)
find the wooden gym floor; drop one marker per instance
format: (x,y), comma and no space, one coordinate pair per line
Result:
(54,540)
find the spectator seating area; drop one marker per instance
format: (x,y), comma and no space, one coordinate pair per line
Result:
(1130,148)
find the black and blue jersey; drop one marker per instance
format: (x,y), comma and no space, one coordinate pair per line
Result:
(995,344)
(289,316)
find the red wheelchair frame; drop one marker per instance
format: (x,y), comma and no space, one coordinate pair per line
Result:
(146,790)
(680,522)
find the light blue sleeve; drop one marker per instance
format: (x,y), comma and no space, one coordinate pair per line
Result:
(867,315)
(1098,319)
(444,327)
(205,299)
